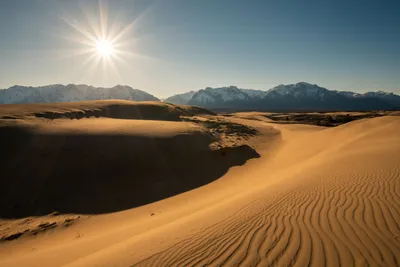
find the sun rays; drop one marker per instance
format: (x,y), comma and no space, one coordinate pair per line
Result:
(101,42)
(107,45)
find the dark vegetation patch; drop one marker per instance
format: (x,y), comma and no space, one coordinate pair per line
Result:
(218,126)
(11,237)
(321,119)
(26,227)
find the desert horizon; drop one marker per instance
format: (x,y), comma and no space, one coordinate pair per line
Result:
(302,97)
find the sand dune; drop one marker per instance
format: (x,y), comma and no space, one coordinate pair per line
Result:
(340,207)
(316,196)
(120,109)
(100,165)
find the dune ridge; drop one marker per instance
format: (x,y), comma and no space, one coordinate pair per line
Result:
(122,109)
(317,196)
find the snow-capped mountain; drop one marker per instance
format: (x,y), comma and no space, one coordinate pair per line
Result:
(216,95)
(300,90)
(180,99)
(305,96)
(226,97)
(299,96)
(347,93)
(254,94)
(71,92)
(390,98)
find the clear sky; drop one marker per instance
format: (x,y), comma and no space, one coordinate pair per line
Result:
(166,47)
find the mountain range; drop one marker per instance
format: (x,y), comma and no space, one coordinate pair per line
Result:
(69,93)
(301,96)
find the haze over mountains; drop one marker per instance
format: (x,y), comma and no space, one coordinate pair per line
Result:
(300,96)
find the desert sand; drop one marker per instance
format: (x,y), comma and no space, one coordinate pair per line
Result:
(119,183)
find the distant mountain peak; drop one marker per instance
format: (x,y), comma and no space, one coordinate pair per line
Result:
(180,99)
(380,92)
(69,93)
(306,84)
(298,96)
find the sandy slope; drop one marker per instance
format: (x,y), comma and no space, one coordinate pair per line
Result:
(106,164)
(317,196)
(120,109)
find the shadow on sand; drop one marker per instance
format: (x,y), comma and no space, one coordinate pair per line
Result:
(95,174)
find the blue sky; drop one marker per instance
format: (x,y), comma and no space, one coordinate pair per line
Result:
(174,46)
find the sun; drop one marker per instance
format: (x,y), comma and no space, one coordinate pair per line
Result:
(104,48)
(103,44)
(102,41)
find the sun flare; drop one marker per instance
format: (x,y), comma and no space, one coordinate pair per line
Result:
(104,48)
(105,43)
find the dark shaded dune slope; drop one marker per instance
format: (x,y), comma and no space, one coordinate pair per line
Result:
(101,165)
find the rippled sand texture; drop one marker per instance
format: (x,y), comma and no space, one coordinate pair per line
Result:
(342,207)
